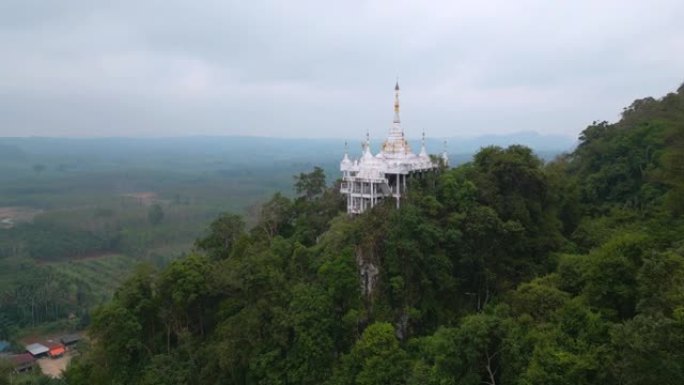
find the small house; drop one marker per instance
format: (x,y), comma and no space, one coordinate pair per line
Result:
(22,362)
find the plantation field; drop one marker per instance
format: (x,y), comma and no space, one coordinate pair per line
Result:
(77,218)
(99,275)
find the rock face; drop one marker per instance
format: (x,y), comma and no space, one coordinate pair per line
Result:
(368,274)
(401,327)
(368,279)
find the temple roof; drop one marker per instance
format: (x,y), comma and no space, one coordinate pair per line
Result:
(395,155)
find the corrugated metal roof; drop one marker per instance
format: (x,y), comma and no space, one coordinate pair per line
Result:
(70,339)
(37,349)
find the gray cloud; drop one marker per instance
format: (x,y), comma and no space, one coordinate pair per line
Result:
(326,69)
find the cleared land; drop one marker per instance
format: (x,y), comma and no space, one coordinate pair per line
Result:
(10,216)
(53,367)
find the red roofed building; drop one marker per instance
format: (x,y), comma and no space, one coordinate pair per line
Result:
(56,349)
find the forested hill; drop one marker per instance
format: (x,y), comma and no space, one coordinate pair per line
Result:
(504,270)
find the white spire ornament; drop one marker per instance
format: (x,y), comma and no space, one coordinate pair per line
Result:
(423,151)
(346,159)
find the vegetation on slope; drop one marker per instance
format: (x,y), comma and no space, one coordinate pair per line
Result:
(145,208)
(504,270)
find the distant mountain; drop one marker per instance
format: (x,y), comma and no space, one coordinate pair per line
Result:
(253,150)
(538,142)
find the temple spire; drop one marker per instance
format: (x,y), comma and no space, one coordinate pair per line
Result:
(396,144)
(396,103)
(366,144)
(423,151)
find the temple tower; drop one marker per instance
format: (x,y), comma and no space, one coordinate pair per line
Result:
(370,179)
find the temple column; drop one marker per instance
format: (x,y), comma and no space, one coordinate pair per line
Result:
(398,189)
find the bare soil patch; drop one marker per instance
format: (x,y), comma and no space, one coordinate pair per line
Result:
(53,367)
(144,197)
(12,215)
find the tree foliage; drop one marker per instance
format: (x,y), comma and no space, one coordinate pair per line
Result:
(504,270)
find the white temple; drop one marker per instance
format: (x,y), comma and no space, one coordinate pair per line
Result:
(370,179)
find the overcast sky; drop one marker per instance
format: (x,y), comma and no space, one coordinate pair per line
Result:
(327,69)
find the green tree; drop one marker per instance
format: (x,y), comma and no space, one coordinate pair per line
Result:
(121,353)
(571,349)
(185,296)
(310,185)
(649,349)
(375,359)
(275,217)
(311,353)
(224,233)
(611,275)
(539,298)
(468,354)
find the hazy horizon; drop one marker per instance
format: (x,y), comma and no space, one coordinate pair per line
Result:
(379,136)
(254,145)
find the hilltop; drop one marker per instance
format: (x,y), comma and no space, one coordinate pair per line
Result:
(505,269)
